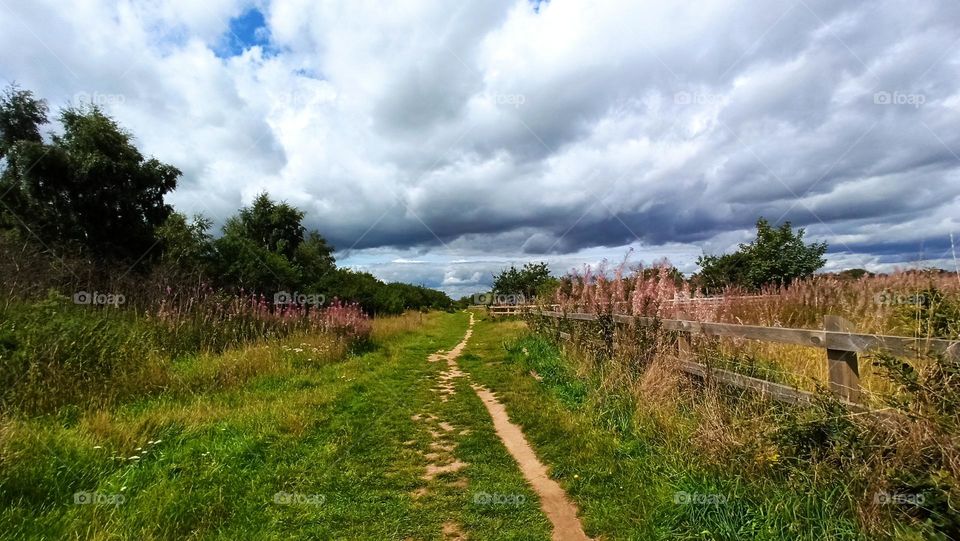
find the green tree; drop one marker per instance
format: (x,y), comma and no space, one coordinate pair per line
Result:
(776,257)
(240,262)
(21,115)
(313,258)
(90,187)
(275,227)
(266,248)
(531,280)
(185,243)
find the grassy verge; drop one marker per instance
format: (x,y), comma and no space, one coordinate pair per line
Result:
(323,450)
(644,476)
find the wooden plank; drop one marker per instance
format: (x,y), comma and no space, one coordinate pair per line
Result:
(842,367)
(843,341)
(776,391)
(782,393)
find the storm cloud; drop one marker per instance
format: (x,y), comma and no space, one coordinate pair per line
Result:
(436,143)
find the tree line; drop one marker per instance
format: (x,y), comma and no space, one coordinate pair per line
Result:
(88,189)
(777,256)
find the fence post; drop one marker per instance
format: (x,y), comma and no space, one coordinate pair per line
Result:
(684,349)
(842,367)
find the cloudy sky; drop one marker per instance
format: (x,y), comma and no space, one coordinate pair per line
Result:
(437,141)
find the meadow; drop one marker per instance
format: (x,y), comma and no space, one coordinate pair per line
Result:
(216,417)
(892,473)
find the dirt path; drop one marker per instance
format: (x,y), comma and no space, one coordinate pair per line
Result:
(554,502)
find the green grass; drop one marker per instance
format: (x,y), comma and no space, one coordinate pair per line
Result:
(625,471)
(340,434)
(332,433)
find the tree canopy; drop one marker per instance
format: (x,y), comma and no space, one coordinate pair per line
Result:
(90,187)
(777,256)
(529,281)
(90,190)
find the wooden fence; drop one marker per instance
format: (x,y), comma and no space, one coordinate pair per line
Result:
(838,338)
(508,309)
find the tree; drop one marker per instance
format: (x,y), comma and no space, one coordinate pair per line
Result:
(776,257)
(185,244)
(719,272)
(531,280)
(238,261)
(314,257)
(854,274)
(265,247)
(90,187)
(21,115)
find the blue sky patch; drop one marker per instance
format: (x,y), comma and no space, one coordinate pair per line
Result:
(246,31)
(536,4)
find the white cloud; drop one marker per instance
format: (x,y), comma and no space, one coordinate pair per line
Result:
(467,137)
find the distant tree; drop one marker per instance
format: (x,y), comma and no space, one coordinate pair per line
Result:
(21,115)
(314,257)
(240,262)
(377,297)
(777,256)
(719,272)
(275,227)
(266,248)
(90,187)
(854,274)
(531,280)
(184,243)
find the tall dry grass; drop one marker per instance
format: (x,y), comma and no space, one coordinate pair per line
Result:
(910,451)
(921,304)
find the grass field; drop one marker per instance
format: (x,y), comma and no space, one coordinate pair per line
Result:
(338,449)
(329,439)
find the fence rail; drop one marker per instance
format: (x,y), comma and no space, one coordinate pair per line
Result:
(508,309)
(838,338)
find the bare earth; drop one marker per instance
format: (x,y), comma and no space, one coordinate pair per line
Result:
(554,502)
